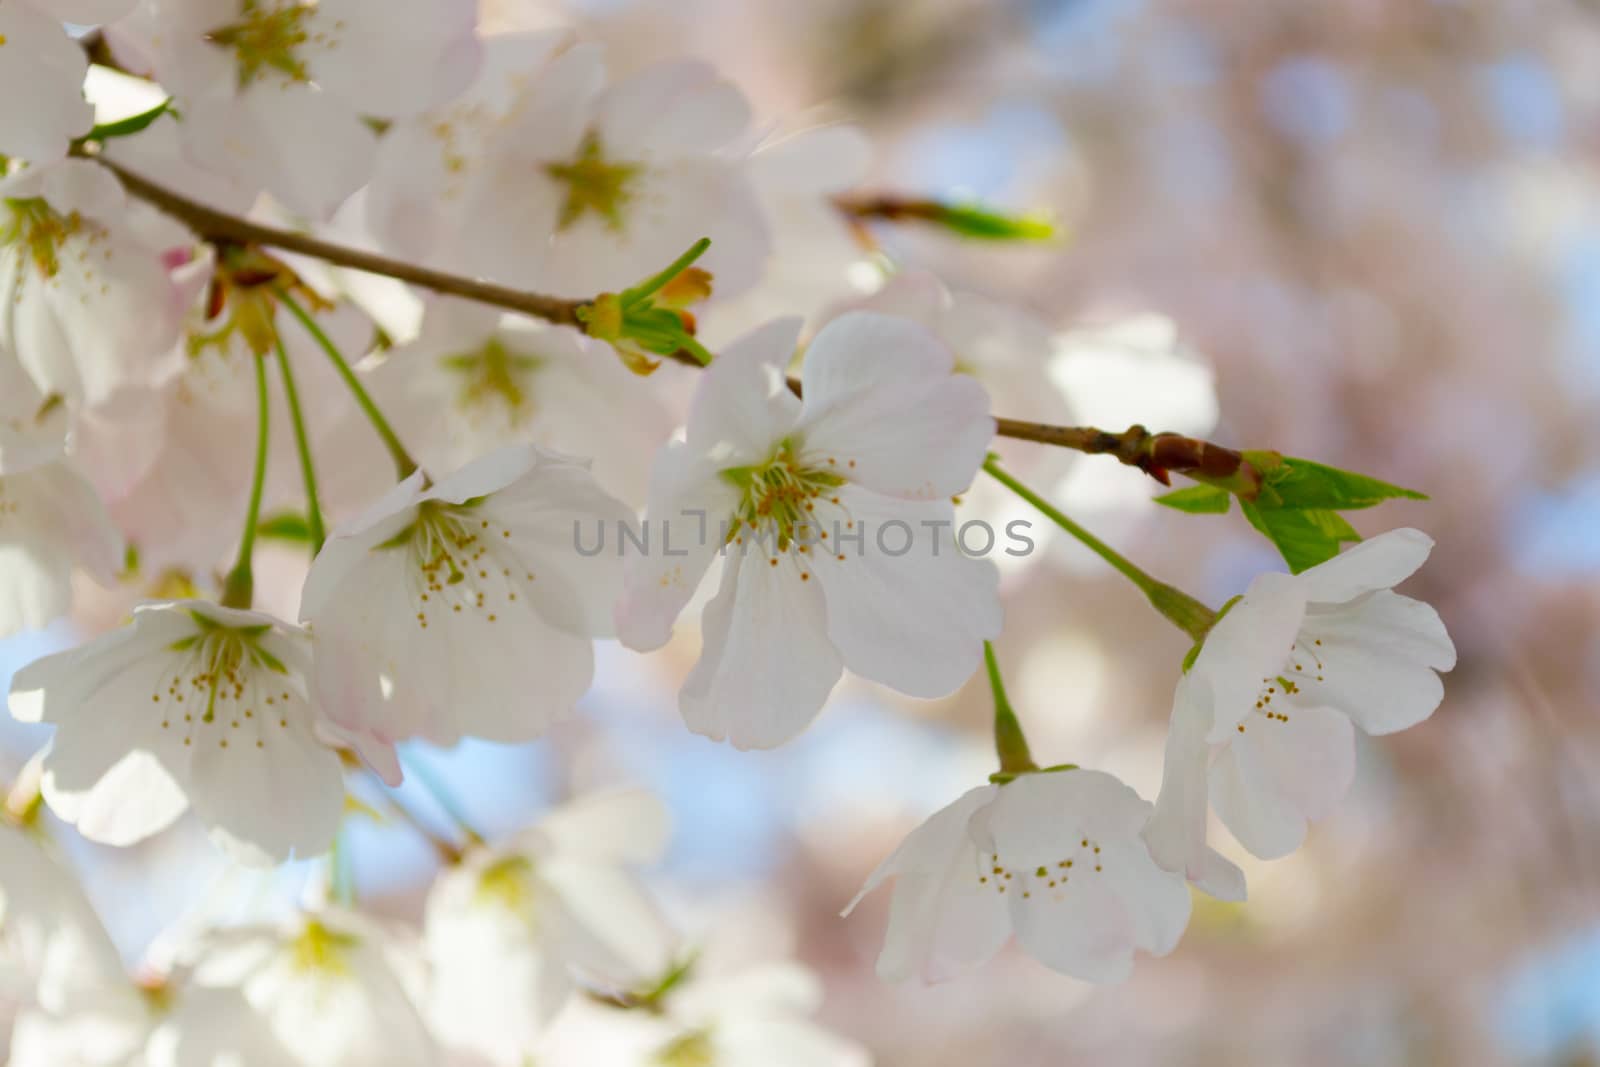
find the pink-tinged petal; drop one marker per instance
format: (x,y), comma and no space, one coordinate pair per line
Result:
(689,507)
(1377,658)
(41,65)
(1276,776)
(382,65)
(767,665)
(261,135)
(820,160)
(928,849)
(678,108)
(905,606)
(1248,645)
(879,392)
(1380,562)
(157,155)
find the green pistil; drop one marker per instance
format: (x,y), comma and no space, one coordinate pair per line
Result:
(594,184)
(779,494)
(493,372)
(265,38)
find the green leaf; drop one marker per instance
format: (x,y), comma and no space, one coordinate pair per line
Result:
(129,126)
(1197,500)
(1299,483)
(970,220)
(1304,537)
(285,526)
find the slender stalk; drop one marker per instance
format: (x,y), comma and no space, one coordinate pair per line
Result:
(1010,744)
(238,590)
(340,876)
(648,288)
(443,797)
(403,463)
(302,445)
(1183,610)
(1133,447)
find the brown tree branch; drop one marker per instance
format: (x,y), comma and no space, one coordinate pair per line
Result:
(1158,455)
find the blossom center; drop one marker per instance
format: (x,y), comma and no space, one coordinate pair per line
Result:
(595,184)
(40,231)
(779,498)
(461,563)
(319,949)
(223,679)
(1302,669)
(508,883)
(266,37)
(1049,881)
(494,374)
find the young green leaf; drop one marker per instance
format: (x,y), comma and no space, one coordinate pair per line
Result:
(1300,483)
(1304,537)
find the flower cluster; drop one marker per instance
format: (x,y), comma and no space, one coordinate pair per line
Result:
(190,370)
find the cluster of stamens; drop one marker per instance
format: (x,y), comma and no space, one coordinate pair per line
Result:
(462,563)
(1045,878)
(226,680)
(594,184)
(1303,667)
(779,500)
(269,37)
(494,374)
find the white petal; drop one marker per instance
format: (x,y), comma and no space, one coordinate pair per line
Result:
(617,825)
(1377,657)
(767,665)
(85,12)
(689,506)
(1273,778)
(1176,832)
(307,148)
(742,405)
(41,65)
(823,159)
(1248,644)
(676,108)
(915,620)
(879,393)
(1377,563)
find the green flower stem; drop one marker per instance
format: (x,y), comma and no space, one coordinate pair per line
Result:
(649,287)
(404,465)
(302,445)
(1181,609)
(341,877)
(238,589)
(1009,742)
(442,796)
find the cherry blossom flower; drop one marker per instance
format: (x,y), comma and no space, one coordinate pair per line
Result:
(834,518)
(426,163)
(1264,722)
(51,520)
(475,380)
(1054,859)
(191,704)
(463,607)
(512,930)
(585,185)
(87,300)
(328,987)
(753,1018)
(275,93)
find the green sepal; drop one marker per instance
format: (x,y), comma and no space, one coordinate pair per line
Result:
(1197,500)
(129,126)
(285,526)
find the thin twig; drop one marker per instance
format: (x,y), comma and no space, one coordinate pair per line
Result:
(1155,454)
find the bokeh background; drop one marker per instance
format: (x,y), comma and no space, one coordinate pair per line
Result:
(1378,223)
